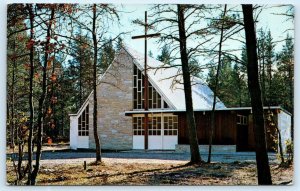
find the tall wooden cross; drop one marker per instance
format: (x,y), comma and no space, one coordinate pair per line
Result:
(145,36)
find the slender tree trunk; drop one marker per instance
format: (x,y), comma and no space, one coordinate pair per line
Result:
(80,78)
(97,141)
(263,82)
(20,159)
(195,153)
(215,90)
(50,131)
(271,102)
(40,120)
(21,173)
(240,90)
(31,111)
(12,110)
(291,95)
(62,119)
(280,144)
(263,168)
(80,86)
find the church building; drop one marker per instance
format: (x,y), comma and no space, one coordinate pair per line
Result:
(124,124)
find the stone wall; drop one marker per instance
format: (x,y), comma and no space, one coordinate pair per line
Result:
(114,95)
(180,148)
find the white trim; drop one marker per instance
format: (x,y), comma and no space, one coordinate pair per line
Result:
(284,123)
(100,78)
(82,106)
(202,110)
(73,132)
(77,141)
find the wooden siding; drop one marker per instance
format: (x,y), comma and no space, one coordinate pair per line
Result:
(227,132)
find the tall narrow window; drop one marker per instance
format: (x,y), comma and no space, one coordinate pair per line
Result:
(155,101)
(83,122)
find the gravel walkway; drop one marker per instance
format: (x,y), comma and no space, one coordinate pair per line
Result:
(77,157)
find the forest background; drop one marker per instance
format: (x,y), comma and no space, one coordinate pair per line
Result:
(3,54)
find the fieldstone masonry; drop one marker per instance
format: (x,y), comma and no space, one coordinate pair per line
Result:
(204,148)
(114,95)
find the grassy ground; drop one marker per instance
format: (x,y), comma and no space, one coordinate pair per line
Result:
(154,174)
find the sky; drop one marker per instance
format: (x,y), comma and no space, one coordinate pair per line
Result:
(277,27)
(267,20)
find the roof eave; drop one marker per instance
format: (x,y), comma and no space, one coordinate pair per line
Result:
(130,113)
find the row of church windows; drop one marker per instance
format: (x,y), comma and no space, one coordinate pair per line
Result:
(83,122)
(170,125)
(155,101)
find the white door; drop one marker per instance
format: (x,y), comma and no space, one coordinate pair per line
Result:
(162,132)
(155,137)
(138,139)
(170,132)
(138,142)
(169,142)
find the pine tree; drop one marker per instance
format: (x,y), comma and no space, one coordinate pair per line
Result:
(195,153)
(150,54)
(232,84)
(263,167)
(107,56)
(120,44)
(266,57)
(165,56)
(285,76)
(81,66)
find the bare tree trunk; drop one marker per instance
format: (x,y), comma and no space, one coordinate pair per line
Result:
(280,144)
(195,154)
(96,137)
(31,111)
(20,157)
(12,110)
(80,85)
(62,119)
(263,81)
(80,78)
(40,120)
(215,90)
(263,168)
(291,95)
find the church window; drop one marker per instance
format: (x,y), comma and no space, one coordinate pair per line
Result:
(83,122)
(155,101)
(138,126)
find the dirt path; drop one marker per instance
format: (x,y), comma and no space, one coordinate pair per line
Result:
(129,172)
(65,167)
(61,156)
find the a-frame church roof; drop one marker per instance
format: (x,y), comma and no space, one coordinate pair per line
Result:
(168,82)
